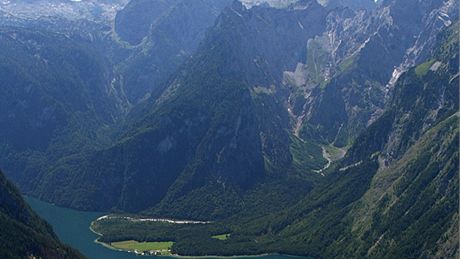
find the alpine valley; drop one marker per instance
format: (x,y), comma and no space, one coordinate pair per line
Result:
(318,128)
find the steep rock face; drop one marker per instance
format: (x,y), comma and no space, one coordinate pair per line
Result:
(416,181)
(354,4)
(168,33)
(24,234)
(354,63)
(426,94)
(134,21)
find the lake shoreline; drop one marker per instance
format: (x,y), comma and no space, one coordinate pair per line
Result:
(74,227)
(141,219)
(106,245)
(200,256)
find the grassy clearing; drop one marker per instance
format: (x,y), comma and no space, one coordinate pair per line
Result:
(307,156)
(131,245)
(422,69)
(335,153)
(221,237)
(347,64)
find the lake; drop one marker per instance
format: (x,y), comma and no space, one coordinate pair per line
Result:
(72,227)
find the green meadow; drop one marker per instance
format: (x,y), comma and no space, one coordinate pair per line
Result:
(221,237)
(132,245)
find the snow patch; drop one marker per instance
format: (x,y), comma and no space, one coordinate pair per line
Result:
(445,19)
(273,3)
(301,25)
(345,168)
(397,72)
(435,66)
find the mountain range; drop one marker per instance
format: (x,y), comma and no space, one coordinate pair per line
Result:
(320,128)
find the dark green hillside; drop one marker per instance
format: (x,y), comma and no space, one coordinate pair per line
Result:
(23,234)
(207,140)
(61,95)
(53,99)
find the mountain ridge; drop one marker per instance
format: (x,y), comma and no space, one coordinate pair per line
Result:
(24,234)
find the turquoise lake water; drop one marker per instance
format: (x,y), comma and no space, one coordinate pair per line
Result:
(72,227)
